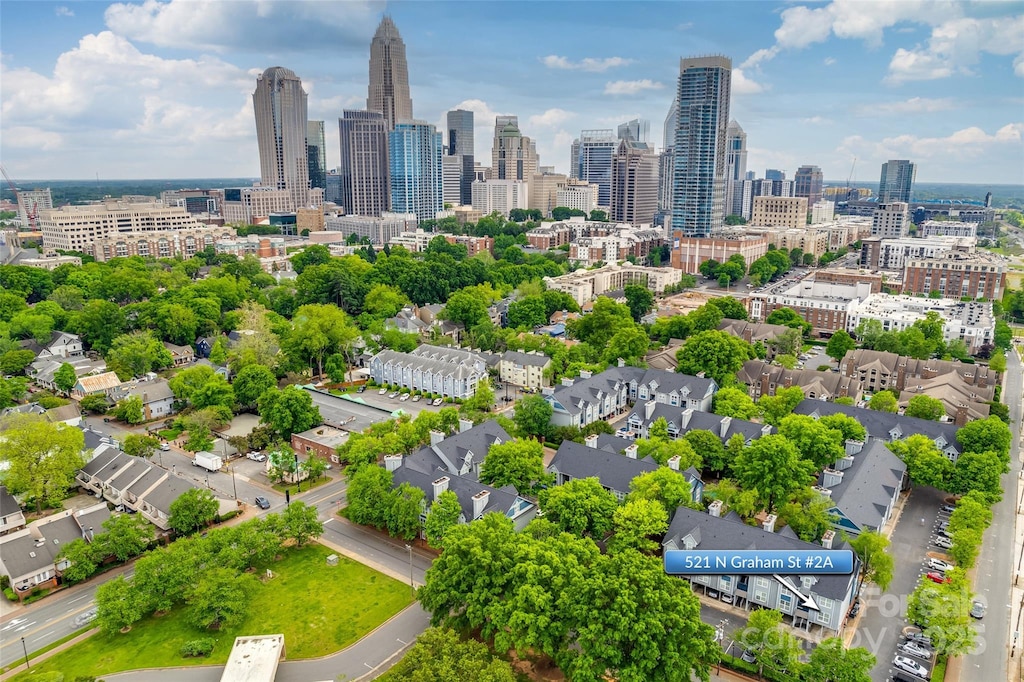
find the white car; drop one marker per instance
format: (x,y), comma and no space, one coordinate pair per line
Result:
(165,447)
(911,666)
(383,391)
(416,398)
(944,543)
(404,396)
(437,401)
(915,649)
(940,565)
(393,395)
(256,456)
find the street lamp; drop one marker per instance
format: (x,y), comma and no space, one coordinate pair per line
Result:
(25,649)
(412,587)
(234,490)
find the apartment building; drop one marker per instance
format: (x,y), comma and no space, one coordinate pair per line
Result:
(892,254)
(379,231)
(890,221)
(971,322)
(956,274)
(779,211)
(823,304)
(947,228)
(586,285)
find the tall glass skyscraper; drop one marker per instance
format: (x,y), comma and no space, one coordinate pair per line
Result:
(460,144)
(280,105)
(897,181)
(388,91)
(736,168)
(316,153)
(414,157)
(808,183)
(698,186)
(364,163)
(591,160)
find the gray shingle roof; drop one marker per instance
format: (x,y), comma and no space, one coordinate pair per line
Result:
(146,481)
(693,420)
(452,452)
(882,425)
(615,471)
(520,358)
(101,460)
(869,485)
(499,500)
(167,492)
(8,505)
(148,391)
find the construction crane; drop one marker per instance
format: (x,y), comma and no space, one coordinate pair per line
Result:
(849,177)
(31,212)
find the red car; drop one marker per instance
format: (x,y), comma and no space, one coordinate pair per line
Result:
(937,578)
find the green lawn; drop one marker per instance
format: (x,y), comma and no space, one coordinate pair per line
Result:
(306,485)
(319,609)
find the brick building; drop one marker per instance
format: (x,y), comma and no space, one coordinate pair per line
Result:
(956,274)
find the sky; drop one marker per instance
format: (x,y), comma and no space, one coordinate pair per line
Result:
(162,88)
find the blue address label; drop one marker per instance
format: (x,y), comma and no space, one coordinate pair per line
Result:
(754,562)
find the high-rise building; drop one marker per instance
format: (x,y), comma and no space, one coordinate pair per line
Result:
(389,75)
(280,105)
(671,123)
(772,211)
(591,161)
(414,156)
(890,221)
(774,174)
(736,168)
(698,186)
(637,130)
(316,154)
(500,195)
(460,144)
(544,190)
(31,202)
(807,183)
(365,187)
(513,155)
(451,174)
(634,196)
(897,181)
(666,162)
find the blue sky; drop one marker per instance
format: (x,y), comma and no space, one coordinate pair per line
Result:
(162,89)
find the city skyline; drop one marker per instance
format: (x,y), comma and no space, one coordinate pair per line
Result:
(937,83)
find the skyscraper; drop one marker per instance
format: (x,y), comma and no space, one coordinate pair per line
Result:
(698,188)
(736,168)
(592,156)
(897,181)
(316,154)
(414,156)
(389,75)
(634,189)
(671,122)
(280,105)
(637,130)
(460,144)
(774,174)
(513,155)
(365,188)
(807,183)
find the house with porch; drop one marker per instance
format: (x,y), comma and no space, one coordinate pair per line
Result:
(863,486)
(11,516)
(96,384)
(181,356)
(156,396)
(680,422)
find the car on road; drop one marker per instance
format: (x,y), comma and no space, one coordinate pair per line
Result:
(910,665)
(977,609)
(937,578)
(393,395)
(437,401)
(85,618)
(947,509)
(262,502)
(360,389)
(383,391)
(256,456)
(943,542)
(915,649)
(165,447)
(940,565)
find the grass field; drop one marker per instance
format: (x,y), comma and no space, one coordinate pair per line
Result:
(319,609)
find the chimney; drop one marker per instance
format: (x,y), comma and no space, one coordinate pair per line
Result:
(649,408)
(631,450)
(725,423)
(765,386)
(827,538)
(440,485)
(547,390)
(480,503)
(715,508)
(766,430)
(831,477)
(392,462)
(622,363)
(465,425)
(591,441)
(788,381)
(566,381)
(673,462)
(701,374)
(436,437)
(769,523)
(961,415)
(748,334)
(585,374)
(854,447)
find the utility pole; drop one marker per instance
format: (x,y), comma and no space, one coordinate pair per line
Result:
(25,649)
(412,587)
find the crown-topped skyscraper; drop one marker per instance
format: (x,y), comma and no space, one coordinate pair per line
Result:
(389,75)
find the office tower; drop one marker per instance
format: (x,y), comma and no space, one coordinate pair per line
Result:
(280,105)
(500,195)
(591,157)
(671,123)
(751,175)
(890,221)
(698,186)
(637,130)
(316,154)
(460,144)
(666,162)
(332,192)
(543,190)
(513,155)
(634,196)
(389,75)
(365,188)
(414,156)
(451,179)
(807,183)
(736,168)
(774,174)
(897,181)
(31,202)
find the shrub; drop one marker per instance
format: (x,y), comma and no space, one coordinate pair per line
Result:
(5,582)
(221,518)
(9,593)
(824,368)
(195,648)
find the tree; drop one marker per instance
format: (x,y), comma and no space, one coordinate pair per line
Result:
(83,560)
(440,656)
(986,435)
(15,361)
(831,661)
(482,399)
(772,466)
(252,382)
(883,401)
(816,442)
(729,307)
(734,402)
(533,416)
(978,471)
(639,299)
(527,313)
(194,509)
(876,564)
(216,392)
(663,485)
(443,515)
(942,612)
(314,254)
(318,331)
(776,407)
(129,410)
(925,464)
(629,344)
(925,407)
(199,436)
(301,523)
(581,507)
(850,428)
(710,446)
(219,352)
(29,325)
(519,463)
(808,514)
(65,378)
(465,307)
(219,598)
(773,648)
(839,345)
(383,301)
(288,411)
(403,511)
(118,605)
(659,429)
(661,450)
(136,354)
(41,458)
(635,525)
(314,466)
(789,318)
(997,363)
(369,490)
(718,354)
(600,325)
(124,536)
(96,403)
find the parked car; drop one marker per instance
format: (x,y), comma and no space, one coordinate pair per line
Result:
(944,534)
(383,391)
(919,638)
(416,398)
(256,456)
(164,447)
(727,598)
(940,565)
(915,649)
(393,395)
(748,656)
(910,665)
(977,609)
(360,389)
(937,578)
(262,502)
(404,397)
(714,594)
(944,525)
(85,618)
(437,401)
(947,508)
(855,609)
(943,542)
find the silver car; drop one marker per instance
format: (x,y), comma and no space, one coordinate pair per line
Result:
(85,618)
(915,649)
(911,666)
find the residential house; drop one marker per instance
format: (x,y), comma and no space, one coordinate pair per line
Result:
(222,370)
(100,468)
(833,594)
(664,358)
(156,396)
(11,516)
(680,422)
(204,345)
(181,356)
(889,426)
(65,414)
(155,503)
(962,402)
(42,370)
(59,345)
(524,369)
(756,332)
(408,322)
(322,440)
(125,473)
(99,384)
(764,378)
(880,370)
(451,372)
(424,320)
(863,486)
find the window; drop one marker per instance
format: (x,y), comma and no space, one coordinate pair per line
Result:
(785,602)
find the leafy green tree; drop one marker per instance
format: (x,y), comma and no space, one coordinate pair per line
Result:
(403,513)
(926,465)
(519,463)
(664,485)
(199,436)
(219,352)
(65,378)
(710,446)
(95,404)
(194,509)
(986,435)
(465,307)
(118,605)
(124,536)
(776,407)
(661,450)
(718,354)
(942,611)
(318,331)
(216,392)
(599,326)
(788,342)
(883,401)
(15,361)
(527,313)
(220,597)
(997,363)
(129,410)
(251,383)
(787,361)
(533,416)
(383,301)
(729,307)
(482,399)
(314,466)
(301,523)
(831,661)
(30,325)
(289,410)
(636,524)
(789,318)
(734,402)
(581,507)
(135,354)
(83,560)
(629,344)
(816,442)
(876,564)
(443,515)
(808,514)
(775,650)
(41,458)
(972,511)
(440,656)
(925,407)
(850,428)
(314,254)
(639,299)
(966,544)
(772,465)
(369,494)
(186,382)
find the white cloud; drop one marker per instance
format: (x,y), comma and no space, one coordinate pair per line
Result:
(217,26)
(742,85)
(972,141)
(62,11)
(685,26)
(955,46)
(28,137)
(829,61)
(631,87)
(914,105)
(815,120)
(592,64)
(551,118)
